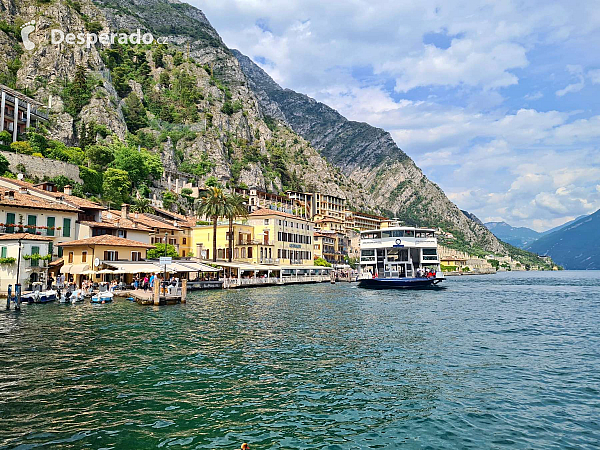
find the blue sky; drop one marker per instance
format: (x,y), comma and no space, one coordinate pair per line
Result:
(498,102)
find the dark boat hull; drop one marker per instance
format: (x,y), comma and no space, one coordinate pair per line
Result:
(401,283)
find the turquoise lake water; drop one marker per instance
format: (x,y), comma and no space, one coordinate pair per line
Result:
(510,360)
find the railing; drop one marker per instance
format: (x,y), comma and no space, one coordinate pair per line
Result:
(26,229)
(269,261)
(255,242)
(255,281)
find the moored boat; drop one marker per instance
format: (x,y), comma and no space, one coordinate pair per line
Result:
(38,295)
(399,257)
(104,295)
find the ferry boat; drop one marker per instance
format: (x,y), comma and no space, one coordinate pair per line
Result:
(399,257)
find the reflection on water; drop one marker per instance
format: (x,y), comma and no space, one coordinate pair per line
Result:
(510,360)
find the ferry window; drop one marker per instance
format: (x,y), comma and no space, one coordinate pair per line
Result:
(429,251)
(376,235)
(409,233)
(386,234)
(367,252)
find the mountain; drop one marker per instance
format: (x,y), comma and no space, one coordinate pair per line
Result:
(552,230)
(517,236)
(575,246)
(368,156)
(209,112)
(472,216)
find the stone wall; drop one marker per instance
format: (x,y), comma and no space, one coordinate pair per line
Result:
(42,167)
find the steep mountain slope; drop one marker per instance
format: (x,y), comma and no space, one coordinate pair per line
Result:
(369,156)
(188,100)
(517,236)
(560,227)
(576,246)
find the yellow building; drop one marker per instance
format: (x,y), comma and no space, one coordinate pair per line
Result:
(245,248)
(362,221)
(284,238)
(330,245)
(329,224)
(94,253)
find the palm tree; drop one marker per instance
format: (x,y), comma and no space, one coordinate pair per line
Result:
(212,205)
(142,205)
(236,207)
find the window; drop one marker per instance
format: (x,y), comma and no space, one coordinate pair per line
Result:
(266,221)
(111,255)
(35,251)
(136,256)
(83,257)
(249,252)
(50,223)
(3,253)
(10,220)
(50,248)
(67,227)
(60,252)
(70,257)
(32,222)
(183,241)
(122,233)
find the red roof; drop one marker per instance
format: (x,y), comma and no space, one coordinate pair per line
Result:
(24,236)
(108,240)
(271,212)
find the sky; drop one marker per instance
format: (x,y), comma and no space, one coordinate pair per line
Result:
(498,102)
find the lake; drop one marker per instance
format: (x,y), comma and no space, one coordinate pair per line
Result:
(510,360)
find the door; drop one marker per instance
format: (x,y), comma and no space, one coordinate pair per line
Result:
(10,220)
(32,222)
(50,223)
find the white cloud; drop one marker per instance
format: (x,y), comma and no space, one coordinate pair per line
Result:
(462,107)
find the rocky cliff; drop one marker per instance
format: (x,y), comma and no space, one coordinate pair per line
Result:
(209,111)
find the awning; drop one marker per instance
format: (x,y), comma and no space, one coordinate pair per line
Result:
(74,269)
(197,267)
(138,267)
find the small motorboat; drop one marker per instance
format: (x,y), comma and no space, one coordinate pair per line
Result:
(72,296)
(104,295)
(38,295)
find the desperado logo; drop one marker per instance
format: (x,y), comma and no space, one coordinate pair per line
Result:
(58,36)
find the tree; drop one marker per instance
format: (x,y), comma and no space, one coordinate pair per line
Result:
(22,147)
(116,186)
(99,156)
(3,164)
(142,205)
(235,206)
(5,137)
(212,205)
(322,262)
(159,250)
(140,164)
(134,113)
(168,198)
(77,93)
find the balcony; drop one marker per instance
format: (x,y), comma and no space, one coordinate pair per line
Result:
(269,261)
(255,242)
(26,229)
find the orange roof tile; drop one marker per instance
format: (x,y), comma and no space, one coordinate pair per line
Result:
(33,202)
(271,212)
(108,240)
(24,236)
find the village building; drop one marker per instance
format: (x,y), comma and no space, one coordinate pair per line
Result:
(25,253)
(87,257)
(19,113)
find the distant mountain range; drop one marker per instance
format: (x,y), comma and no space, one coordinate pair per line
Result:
(573,245)
(517,236)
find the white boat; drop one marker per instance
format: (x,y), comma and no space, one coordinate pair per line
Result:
(38,295)
(399,257)
(104,295)
(72,296)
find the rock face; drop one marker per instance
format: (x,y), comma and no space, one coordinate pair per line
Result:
(368,156)
(211,112)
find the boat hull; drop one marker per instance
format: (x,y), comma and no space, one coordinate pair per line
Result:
(400,283)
